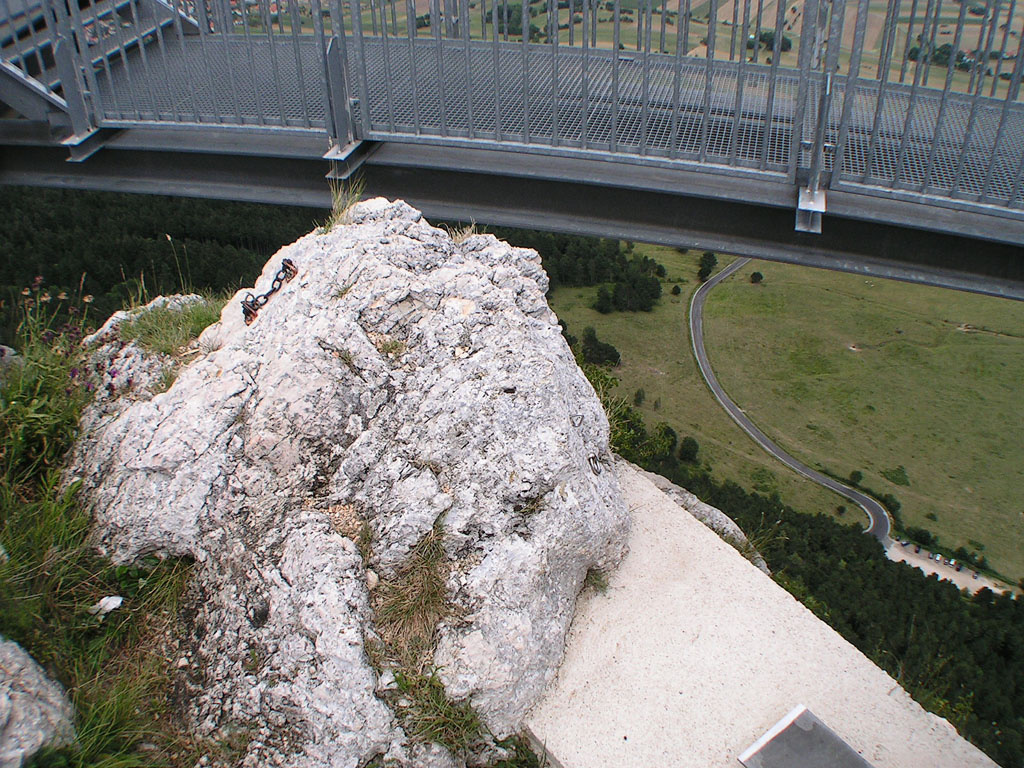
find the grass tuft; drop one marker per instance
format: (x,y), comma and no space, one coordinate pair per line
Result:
(343,197)
(432,717)
(168,331)
(410,604)
(597,580)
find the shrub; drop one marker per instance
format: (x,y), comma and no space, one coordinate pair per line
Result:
(676,290)
(689,448)
(756,277)
(597,352)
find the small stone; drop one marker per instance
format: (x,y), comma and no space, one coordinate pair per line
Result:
(372,580)
(182,663)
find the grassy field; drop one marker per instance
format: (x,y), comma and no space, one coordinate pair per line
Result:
(657,357)
(918,388)
(847,374)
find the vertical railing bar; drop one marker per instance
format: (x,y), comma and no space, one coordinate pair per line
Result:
(810,26)
(940,118)
(252,62)
(124,60)
(980,63)
(673,151)
(316,9)
(133,9)
(373,18)
(986,189)
(889,28)
(732,29)
(833,29)
(639,28)
(850,88)
(585,73)
(1002,47)
(483,18)
(989,40)
(504,16)
(931,42)
(410,25)
(356,10)
(394,18)
(741,63)
(161,44)
(268,23)
(977,72)
(906,43)
(709,72)
(464,30)
(496,67)
(83,46)
(386,50)
(553,41)
(773,77)
(686,28)
(616,30)
(435,27)
(593,26)
(525,57)
(757,32)
(923,61)
(227,58)
(645,94)
(664,21)
(572,26)
(296,24)
(203,22)
(885,67)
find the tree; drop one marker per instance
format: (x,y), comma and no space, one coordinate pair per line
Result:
(676,290)
(603,303)
(639,396)
(856,476)
(708,262)
(598,352)
(756,277)
(688,450)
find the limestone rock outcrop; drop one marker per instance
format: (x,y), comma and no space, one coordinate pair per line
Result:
(401,383)
(34,710)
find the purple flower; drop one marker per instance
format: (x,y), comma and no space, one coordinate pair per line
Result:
(112,372)
(89,386)
(74,373)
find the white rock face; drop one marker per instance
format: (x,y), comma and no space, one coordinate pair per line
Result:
(34,711)
(398,381)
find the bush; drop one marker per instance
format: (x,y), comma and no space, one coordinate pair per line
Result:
(689,448)
(756,277)
(856,477)
(597,352)
(676,290)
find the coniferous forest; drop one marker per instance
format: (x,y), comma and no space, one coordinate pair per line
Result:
(960,656)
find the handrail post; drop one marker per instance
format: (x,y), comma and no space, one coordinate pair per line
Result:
(69,67)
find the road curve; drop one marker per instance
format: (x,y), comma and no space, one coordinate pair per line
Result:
(879,526)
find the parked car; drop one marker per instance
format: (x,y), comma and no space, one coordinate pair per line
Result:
(917,548)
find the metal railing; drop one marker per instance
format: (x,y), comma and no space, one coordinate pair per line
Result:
(920,98)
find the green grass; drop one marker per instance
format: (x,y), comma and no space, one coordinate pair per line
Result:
(168,331)
(110,667)
(916,387)
(927,411)
(657,358)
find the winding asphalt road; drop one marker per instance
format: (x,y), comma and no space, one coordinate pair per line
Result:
(879,526)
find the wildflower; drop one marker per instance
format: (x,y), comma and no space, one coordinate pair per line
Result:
(37,282)
(87,299)
(48,337)
(167,236)
(112,372)
(72,310)
(25,291)
(74,373)
(29,303)
(62,296)
(89,386)
(45,298)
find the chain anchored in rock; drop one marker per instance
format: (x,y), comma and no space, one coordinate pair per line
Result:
(251,305)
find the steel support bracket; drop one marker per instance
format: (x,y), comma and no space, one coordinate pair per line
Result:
(82,146)
(346,160)
(810,205)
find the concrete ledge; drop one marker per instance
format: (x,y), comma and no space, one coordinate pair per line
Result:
(692,654)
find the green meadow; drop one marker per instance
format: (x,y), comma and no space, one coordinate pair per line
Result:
(918,388)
